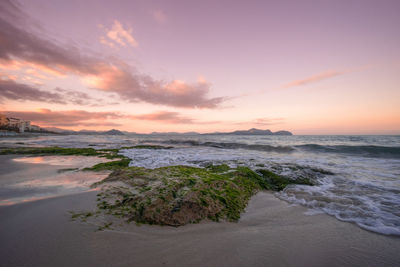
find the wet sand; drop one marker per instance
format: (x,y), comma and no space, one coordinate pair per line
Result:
(25,178)
(270,233)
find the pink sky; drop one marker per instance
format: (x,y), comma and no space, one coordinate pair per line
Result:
(310,67)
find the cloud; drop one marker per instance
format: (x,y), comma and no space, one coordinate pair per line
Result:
(47,117)
(170,117)
(260,122)
(268,121)
(35,73)
(315,78)
(12,90)
(177,118)
(135,88)
(160,16)
(119,35)
(165,116)
(20,47)
(40,53)
(327,75)
(104,41)
(80,98)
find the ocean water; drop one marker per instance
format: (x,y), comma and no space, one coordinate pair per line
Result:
(357,177)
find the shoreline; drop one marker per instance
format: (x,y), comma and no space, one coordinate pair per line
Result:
(25,178)
(270,232)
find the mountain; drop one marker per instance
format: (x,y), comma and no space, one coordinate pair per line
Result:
(58,130)
(113,132)
(282,133)
(84,132)
(254,131)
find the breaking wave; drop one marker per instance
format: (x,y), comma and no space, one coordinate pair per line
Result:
(372,151)
(364,150)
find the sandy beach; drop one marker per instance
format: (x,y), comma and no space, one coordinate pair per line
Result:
(269,233)
(200,133)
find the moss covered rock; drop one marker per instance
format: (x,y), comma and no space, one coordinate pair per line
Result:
(178,195)
(277,182)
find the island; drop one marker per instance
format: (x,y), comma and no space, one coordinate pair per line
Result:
(254,131)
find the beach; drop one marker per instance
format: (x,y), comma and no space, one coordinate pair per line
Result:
(199,133)
(269,233)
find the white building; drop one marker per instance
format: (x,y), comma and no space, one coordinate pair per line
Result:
(21,125)
(27,125)
(13,122)
(3,120)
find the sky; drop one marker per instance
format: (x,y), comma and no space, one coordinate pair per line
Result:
(310,67)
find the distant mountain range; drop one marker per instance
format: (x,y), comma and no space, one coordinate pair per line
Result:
(85,132)
(252,131)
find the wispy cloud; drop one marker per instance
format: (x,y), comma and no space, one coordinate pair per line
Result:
(165,116)
(20,47)
(119,35)
(319,77)
(325,75)
(314,78)
(268,121)
(12,90)
(68,118)
(160,16)
(170,117)
(260,122)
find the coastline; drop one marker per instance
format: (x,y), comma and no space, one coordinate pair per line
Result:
(270,233)
(25,178)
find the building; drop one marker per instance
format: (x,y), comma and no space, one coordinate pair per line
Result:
(3,120)
(19,124)
(15,124)
(35,128)
(27,125)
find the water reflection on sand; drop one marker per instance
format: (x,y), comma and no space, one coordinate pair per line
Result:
(35,178)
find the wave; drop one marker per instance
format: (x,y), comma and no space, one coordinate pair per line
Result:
(364,150)
(267,148)
(372,151)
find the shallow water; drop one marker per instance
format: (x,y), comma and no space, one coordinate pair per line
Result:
(34,178)
(364,187)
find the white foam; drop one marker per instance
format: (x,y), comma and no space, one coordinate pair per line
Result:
(357,193)
(155,158)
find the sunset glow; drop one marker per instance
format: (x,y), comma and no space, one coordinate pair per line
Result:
(310,67)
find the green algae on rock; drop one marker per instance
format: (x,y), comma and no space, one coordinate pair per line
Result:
(278,182)
(110,153)
(111,165)
(177,195)
(61,151)
(174,195)
(123,161)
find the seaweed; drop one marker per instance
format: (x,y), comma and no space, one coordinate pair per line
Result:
(50,151)
(278,182)
(111,165)
(173,195)
(177,195)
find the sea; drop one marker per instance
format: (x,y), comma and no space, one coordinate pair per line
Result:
(357,178)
